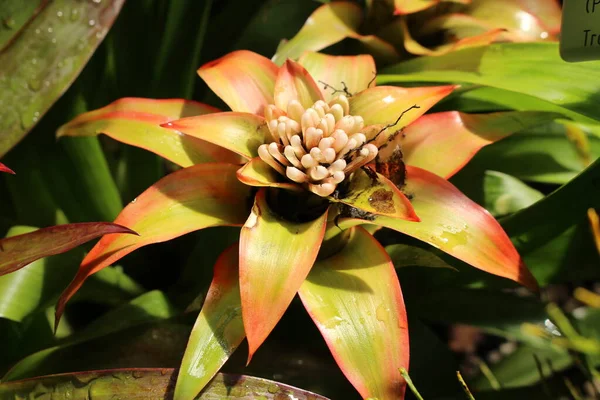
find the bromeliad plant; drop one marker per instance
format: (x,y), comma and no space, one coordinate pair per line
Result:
(316,164)
(396,29)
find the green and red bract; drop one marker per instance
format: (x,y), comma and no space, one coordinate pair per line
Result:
(4,168)
(18,251)
(394,29)
(323,153)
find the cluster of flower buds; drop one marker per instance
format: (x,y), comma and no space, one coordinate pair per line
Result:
(318,147)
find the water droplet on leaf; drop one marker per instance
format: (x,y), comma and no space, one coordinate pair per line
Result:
(34,84)
(74,14)
(381,313)
(9,23)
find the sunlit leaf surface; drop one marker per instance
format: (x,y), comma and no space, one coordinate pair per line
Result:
(43,57)
(355,299)
(275,258)
(218,330)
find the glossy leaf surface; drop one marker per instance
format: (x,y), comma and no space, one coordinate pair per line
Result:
(445,151)
(456,225)
(482,39)
(551,153)
(334,73)
(505,194)
(385,104)
(294,82)
(218,331)
(187,200)
(258,173)
(509,66)
(149,307)
(377,196)
(38,68)
(413,6)
(136,121)
(355,299)
(531,228)
(18,251)
(25,291)
(275,258)
(329,24)
(146,384)
(239,132)
(242,79)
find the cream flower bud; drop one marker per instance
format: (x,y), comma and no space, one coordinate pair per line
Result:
(295,110)
(296,175)
(343,102)
(318,173)
(320,146)
(337,111)
(322,190)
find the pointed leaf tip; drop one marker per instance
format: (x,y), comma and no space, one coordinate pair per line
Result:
(385,104)
(137,122)
(187,200)
(294,82)
(355,300)
(19,251)
(460,227)
(275,258)
(445,151)
(4,168)
(239,132)
(218,330)
(242,79)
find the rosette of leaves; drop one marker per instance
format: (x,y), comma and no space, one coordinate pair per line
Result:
(300,168)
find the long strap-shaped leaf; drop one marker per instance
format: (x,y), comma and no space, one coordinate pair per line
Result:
(275,258)
(445,151)
(455,224)
(510,66)
(136,121)
(354,297)
(38,68)
(187,200)
(18,251)
(218,331)
(145,384)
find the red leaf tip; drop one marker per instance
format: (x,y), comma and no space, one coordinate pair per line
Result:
(123,229)
(4,168)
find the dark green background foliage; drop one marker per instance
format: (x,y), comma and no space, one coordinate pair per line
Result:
(538,182)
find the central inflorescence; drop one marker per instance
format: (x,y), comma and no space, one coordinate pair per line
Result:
(317,147)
